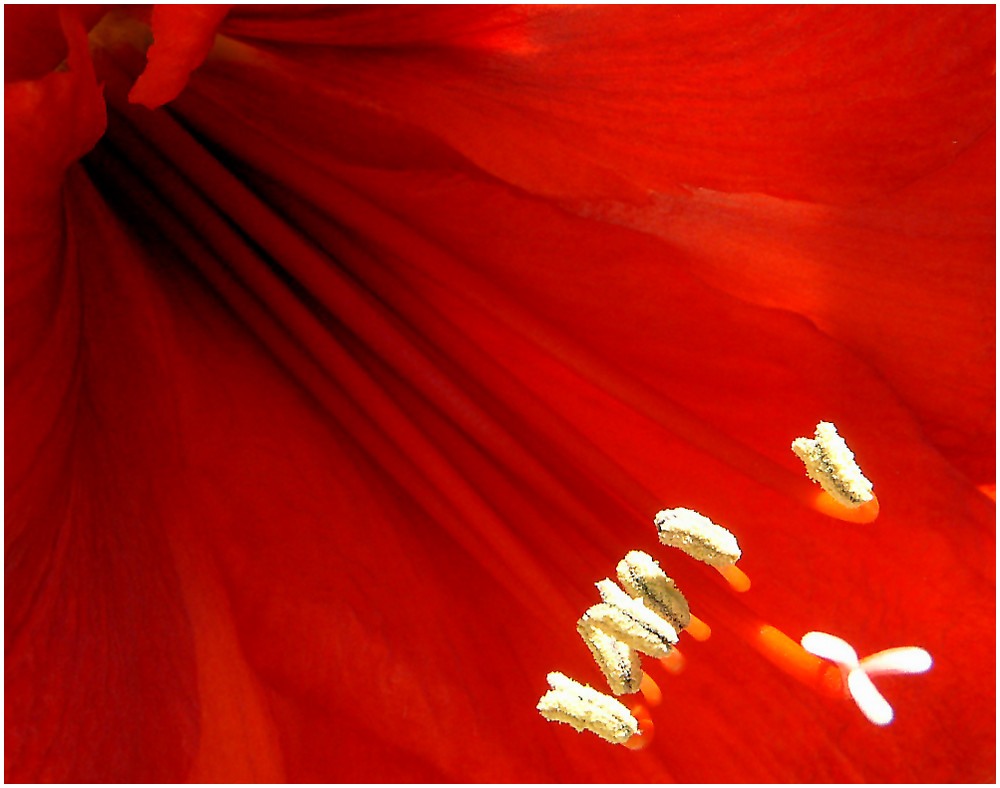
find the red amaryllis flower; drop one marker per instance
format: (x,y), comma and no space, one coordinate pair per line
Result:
(348,348)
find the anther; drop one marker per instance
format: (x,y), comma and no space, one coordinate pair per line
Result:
(697,536)
(585,708)
(907,659)
(642,577)
(630,621)
(831,464)
(618,661)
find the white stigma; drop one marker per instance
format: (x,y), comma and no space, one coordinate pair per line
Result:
(906,659)
(830,647)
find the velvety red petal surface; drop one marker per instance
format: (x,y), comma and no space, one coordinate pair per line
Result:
(330,426)
(182,38)
(819,103)
(895,279)
(34,42)
(816,102)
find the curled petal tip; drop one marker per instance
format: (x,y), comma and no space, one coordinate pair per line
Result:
(183,37)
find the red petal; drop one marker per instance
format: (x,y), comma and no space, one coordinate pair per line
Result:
(34,42)
(906,281)
(383,494)
(182,38)
(51,124)
(821,103)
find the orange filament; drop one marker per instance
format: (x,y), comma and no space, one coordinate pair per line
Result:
(698,629)
(735,576)
(650,690)
(644,737)
(673,662)
(824,503)
(788,655)
(989,490)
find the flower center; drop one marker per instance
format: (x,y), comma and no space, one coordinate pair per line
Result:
(648,617)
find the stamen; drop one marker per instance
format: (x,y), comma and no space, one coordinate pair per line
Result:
(697,536)
(735,576)
(619,662)
(642,577)
(585,708)
(824,503)
(642,739)
(674,662)
(650,690)
(698,629)
(829,462)
(894,661)
(630,621)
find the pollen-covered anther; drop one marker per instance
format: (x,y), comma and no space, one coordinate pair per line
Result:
(697,536)
(630,621)
(858,673)
(831,464)
(618,661)
(587,709)
(643,579)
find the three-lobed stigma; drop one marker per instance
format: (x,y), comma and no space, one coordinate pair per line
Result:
(858,673)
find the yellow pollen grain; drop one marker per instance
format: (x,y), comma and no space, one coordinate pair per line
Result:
(831,464)
(585,708)
(697,536)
